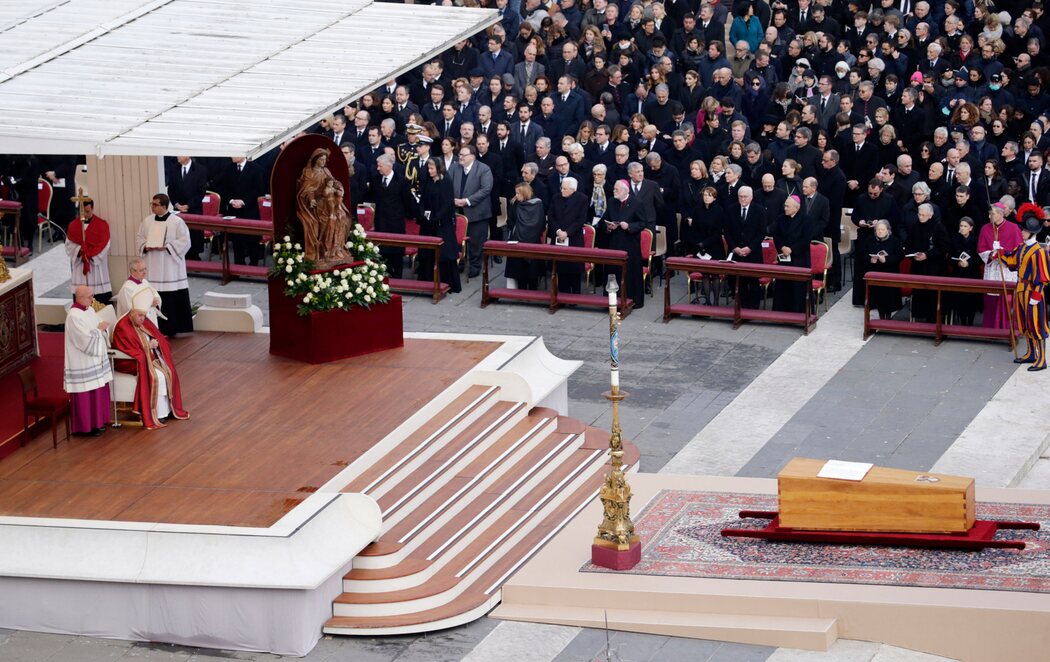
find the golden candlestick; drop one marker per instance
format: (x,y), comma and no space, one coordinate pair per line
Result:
(5,275)
(616,532)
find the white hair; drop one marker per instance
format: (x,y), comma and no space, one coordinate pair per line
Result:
(570,182)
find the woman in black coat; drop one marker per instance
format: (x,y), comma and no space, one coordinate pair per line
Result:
(791,236)
(624,223)
(437,218)
(702,227)
(527,223)
(964,263)
(565,221)
(883,252)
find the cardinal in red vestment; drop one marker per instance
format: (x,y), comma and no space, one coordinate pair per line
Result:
(158,394)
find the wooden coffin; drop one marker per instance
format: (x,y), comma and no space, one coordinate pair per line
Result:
(893,500)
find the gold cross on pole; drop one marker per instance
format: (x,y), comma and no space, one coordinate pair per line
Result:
(80,199)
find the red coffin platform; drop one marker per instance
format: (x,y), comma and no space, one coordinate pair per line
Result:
(332,335)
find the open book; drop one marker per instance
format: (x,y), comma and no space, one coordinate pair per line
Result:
(157,233)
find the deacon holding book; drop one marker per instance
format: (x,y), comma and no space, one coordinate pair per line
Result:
(1029,260)
(158,394)
(163,240)
(87,372)
(135,284)
(87,245)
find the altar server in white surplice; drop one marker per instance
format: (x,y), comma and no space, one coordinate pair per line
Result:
(135,284)
(87,370)
(163,241)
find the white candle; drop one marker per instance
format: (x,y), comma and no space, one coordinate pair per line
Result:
(612,299)
(616,378)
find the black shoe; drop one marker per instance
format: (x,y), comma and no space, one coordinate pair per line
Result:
(1033,368)
(1024,360)
(832,289)
(474,274)
(97,432)
(497,259)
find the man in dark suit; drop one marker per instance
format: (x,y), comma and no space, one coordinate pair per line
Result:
(826,102)
(818,212)
(338,132)
(497,61)
(648,193)
(449,123)
(526,132)
(359,134)
(372,149)
(570,63)
(431,111)
(510,152)
(240,186)
(860,162)
(494,161)
(186,188)
(1036,181)
(832,185)
(394,203)
(569,107)
(744,231)
(472,187)
(403,106)
(807,156)
(601,149)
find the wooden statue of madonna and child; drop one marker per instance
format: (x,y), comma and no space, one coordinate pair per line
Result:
(329,295)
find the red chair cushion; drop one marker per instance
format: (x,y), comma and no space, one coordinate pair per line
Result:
(818,284)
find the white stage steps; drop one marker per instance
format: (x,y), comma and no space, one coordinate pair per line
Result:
(466,499)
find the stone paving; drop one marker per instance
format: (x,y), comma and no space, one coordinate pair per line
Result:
(897,401)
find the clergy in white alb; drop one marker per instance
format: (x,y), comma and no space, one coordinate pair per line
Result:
(163,240)
(87,370)
(135,286)
(87,245)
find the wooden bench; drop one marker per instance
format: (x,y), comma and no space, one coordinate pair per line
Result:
(435,288)
(736,271)
(937,329)
(554,254)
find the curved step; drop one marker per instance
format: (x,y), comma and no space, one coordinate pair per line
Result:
(478,594)
(484,550)
(446,424)
(449,532)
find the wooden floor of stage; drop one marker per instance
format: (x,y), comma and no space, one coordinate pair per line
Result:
(264,433)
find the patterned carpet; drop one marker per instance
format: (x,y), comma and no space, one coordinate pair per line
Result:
(681,537)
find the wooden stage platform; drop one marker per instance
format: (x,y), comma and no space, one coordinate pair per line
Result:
(264,433)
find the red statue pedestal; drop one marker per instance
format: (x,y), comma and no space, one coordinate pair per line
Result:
(608,556)
(334,334)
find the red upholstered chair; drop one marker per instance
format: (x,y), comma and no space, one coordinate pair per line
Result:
(265,214)
(366,218)
(461,240)
(769,256)
(646,239)
(211,203)
(588,242)
(819,263)
(412,228)
(37,406)
(44,193)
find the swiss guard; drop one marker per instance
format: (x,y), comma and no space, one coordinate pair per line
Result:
(1029,260)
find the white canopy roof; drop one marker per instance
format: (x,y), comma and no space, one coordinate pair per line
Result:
(201,77)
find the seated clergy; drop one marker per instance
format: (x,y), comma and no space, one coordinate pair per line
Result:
(157,394)
(136,283)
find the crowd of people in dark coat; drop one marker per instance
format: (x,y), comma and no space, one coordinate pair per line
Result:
(718,127)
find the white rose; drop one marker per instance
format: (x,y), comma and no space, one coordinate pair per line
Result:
(298,258)
(367,298)
(386,288)
(286,238)
(298,247)
(288,268)
(370,290)
(307,298)
(288,245)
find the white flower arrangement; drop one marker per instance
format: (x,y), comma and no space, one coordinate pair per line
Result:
(341,289)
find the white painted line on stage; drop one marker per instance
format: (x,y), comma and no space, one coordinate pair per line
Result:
(1004,440)
(758,412)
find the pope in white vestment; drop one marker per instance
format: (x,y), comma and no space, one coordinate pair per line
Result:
(87,369)
(163,241)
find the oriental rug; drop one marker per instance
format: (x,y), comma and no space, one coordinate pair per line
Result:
(681,536)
